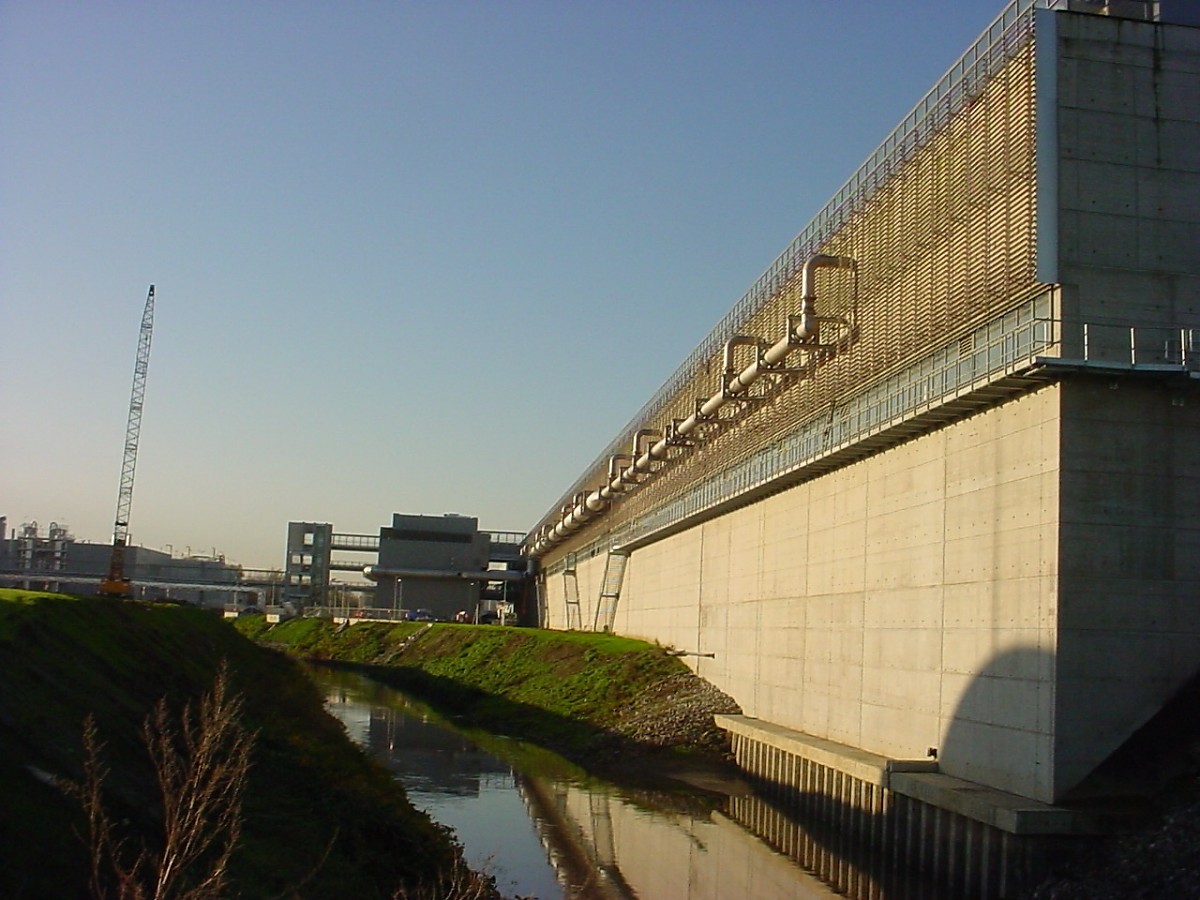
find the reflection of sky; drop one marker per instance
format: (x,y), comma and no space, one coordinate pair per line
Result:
(355,716)
(458,785)
(495,830)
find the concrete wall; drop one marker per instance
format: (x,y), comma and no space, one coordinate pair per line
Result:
(450,544)
(1128,172)
(902,603)
(1129,620)
(1016,589)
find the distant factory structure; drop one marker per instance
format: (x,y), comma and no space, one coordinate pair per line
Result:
(53,560)
(440,566)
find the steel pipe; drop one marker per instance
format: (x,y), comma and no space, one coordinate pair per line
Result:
(799,331)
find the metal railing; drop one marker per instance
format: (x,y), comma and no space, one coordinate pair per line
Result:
(1139,346)
(1028,339)
(505,537)
(1011,341)
(366,614)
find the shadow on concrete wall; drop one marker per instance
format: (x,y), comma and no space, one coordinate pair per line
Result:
(1004,720)
(912,851)
(1002,730)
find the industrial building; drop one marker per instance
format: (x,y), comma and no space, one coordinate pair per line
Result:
(924,501)
(440,566)
(54,560)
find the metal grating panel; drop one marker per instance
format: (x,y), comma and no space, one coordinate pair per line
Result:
(958,90)
(943,244)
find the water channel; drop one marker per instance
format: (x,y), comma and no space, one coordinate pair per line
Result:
(547,830)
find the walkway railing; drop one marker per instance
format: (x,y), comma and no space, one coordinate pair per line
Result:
(999,358)
(364,542)
(365,614)
(506,537)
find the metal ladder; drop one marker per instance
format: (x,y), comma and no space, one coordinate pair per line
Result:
(543,606)
(571,595)
(610,590)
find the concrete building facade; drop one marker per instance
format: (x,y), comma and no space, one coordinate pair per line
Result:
(425,563)
(960,525)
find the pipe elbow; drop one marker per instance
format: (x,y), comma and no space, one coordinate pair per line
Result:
(808,290)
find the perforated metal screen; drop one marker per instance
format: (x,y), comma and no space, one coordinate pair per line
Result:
(943,228)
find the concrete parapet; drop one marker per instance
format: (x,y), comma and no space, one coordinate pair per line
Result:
(917,779)
(1006,812)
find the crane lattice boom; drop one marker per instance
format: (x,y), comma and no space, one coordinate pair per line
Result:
(117,584)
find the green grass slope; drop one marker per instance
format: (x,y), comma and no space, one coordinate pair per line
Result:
(589,696)
(312,794)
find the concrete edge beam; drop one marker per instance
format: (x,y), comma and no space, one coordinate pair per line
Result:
(920,780)
(870,768)
(1007,812)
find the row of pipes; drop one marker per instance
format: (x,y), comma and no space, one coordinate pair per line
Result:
(802,331)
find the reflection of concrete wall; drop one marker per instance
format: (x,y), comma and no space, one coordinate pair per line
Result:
(670,854)
(435,755)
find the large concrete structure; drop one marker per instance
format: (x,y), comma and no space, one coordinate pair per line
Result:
(954,515)
(442,565)
(424,562)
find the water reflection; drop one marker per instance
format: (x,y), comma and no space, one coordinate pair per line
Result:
(548,831)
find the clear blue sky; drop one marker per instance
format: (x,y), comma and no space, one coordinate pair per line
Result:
(422,257)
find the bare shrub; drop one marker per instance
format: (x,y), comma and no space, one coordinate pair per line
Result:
(464,884)
(201,761)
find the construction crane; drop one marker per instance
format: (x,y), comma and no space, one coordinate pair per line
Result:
(117,584)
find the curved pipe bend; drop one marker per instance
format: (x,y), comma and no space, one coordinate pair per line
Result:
(800,330)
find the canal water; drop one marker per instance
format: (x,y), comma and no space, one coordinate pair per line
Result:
(546,830)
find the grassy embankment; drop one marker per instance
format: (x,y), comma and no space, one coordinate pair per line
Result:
(590,697)
(309,791)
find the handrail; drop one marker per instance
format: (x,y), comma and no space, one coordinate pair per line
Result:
(1027,338)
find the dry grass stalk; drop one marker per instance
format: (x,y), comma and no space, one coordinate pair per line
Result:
(201,762)
(463,884)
